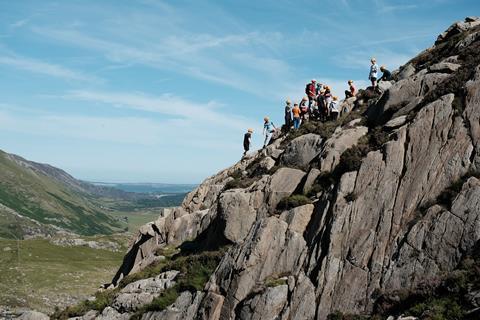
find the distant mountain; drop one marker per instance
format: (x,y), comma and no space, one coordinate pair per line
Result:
(162,188)
(32,193)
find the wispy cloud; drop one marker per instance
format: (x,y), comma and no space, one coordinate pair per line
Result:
(392,8)
(45,68)
(19,23)
(165,104)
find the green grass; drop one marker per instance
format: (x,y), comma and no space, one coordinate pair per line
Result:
(43,274)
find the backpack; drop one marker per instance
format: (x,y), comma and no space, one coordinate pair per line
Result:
(307,89)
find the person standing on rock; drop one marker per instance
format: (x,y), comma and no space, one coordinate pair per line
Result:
(373,75)
(288,115)
(386,75)
(304,108)
(311,90)
(352,91)
(268,129)
(296,116)
(334,108)
(247,141)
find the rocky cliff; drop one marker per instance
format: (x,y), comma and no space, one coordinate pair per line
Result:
(335,217)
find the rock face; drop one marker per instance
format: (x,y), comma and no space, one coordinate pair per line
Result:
(402,210)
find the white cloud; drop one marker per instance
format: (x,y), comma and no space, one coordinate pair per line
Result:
(19,23)
(166,104)
(41,67)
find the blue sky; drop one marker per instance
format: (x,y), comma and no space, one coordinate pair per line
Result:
(163,91)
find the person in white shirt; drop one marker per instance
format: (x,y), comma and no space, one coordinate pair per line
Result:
(334,108)
(373,75)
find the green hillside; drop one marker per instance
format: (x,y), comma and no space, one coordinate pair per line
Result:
(34,193)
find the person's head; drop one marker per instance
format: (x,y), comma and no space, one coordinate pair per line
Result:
(288,102)
(335,98)
(295,105)
(250,130)
(373,60)
(382,68)
(314,81)
(304,99)
(266,119)
(327,87)
(350,82)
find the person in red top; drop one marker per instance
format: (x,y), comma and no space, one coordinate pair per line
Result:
(352,91)
(311,91)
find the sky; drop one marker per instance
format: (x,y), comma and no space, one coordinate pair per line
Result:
(163,91)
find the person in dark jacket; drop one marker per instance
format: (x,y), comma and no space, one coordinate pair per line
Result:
(288,115)
(386,75)
(247,140)
(311,92)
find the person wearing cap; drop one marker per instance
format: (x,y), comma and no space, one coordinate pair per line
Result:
(311,90)
(386,75)
(373,75)
(351,90)
(334,108)
(247,140)
(296,116)
(288,115)
(268,129)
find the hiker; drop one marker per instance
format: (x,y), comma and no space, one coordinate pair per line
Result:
(386,75)
(310,90)
(288,115)
(296,116)
(373,75)
(268,129)
(304,109)
(334,108)
(247,140)
(351,90)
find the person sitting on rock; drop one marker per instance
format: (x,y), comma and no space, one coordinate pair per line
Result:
(352,91)
(268,129)
(334,108)
(386,75)
(373,75)
(296,116)
(310,91)
(247,140)
(288,115)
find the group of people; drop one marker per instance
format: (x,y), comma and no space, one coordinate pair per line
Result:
(319,104)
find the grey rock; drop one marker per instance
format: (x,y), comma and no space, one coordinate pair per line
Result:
(337,144)
(142,292)
(211,307)
(184,308)
(298,218)
(406,71)
(110,313)
(444,67)
(310,181)
(396,122)
(237,213)
(33,315)
(267,305)
(302,150)
(267,163)
(282,184)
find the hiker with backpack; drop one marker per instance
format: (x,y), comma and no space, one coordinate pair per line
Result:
(386,75)
(296,116)
(373,75)
(247,141)
(288,115)
(352,91)
(310,91)
(268,129)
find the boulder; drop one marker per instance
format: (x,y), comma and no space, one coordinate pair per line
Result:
(310,181)
(302,150)
(396,122)
(237,214)
(298,218)
(282,184)
(211,307)
(184,308)
(142,292)
(33,315)
(406,71)
(444,67)
(110,313)
(266,305)
(337,144)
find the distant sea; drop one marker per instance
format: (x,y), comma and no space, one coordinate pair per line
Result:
(156,188)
